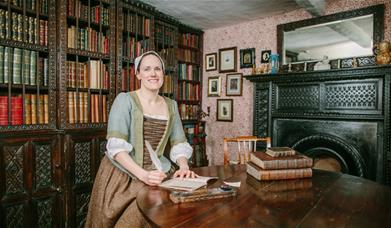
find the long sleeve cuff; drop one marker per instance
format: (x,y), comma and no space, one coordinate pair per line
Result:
(181,150)
(116,145)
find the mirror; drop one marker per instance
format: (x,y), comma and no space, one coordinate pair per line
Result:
(336,36)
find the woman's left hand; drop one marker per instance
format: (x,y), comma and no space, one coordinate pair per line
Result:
(185,173)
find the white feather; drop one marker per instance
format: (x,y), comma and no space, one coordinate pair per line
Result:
(153,155)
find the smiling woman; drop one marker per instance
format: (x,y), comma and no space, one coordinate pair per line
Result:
(135,117)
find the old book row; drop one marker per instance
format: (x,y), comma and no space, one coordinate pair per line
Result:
(188,39)
(136,24)
(21,66)
(82,108)
(98,14)
(31,5)
(189,56)
(188,91)
(88,39)
(131,48)
(189,112)
(188,72)
(23,28)
(92,74)
(32,109)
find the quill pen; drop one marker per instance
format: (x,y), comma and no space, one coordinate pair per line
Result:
(153,155)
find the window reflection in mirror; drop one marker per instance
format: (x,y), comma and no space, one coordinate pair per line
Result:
(337,39)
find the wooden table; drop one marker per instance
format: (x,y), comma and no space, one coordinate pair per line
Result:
(327,199)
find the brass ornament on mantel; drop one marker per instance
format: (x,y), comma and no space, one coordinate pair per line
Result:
(382,51)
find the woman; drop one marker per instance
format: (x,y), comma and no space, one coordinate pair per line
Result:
(135,117)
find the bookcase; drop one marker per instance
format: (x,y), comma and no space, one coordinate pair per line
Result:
(189,90)
(61,65)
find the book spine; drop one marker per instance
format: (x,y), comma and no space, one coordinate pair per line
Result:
(41,105)
(3,110)
(46,107)
(33,68)
(17,65)
(26,67)
(1,64)
(6,64)
(33,109)
(27,108)
(17,110)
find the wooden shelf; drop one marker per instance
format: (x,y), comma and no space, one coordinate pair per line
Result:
(188,47)
(95,55)
(23,45)
(189,81)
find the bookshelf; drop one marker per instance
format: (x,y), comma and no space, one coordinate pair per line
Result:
(26,102)
(87,63)
(61,65)
(189,90)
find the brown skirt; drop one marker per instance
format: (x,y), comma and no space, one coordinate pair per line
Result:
(113,199)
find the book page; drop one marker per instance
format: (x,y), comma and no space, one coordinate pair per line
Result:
(186,184)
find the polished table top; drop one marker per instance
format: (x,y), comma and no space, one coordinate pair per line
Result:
(327,199)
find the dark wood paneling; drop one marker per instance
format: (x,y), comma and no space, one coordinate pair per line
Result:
(30,181)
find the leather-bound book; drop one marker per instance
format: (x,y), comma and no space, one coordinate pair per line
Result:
(280,151)
(277,174)
(266,161)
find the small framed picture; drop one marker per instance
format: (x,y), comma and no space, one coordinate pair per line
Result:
(234,84)
(227,60)
(265,56)
(247,58)
(224,110)
(214,86)
(211,61)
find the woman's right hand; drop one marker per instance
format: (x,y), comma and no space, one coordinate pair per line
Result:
(153,177)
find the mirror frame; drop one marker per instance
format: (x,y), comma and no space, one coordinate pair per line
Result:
(378,24)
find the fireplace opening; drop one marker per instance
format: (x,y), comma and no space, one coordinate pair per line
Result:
(332,153)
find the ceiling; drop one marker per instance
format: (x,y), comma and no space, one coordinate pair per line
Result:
(208,14)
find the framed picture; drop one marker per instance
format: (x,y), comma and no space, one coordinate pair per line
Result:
(234,84)
(247,58)
(214,86)
(224,110)
(265,56)
(211,61)
(227,60)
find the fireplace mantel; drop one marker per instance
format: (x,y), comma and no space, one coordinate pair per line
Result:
(344,111)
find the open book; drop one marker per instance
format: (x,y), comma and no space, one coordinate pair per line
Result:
(186,184)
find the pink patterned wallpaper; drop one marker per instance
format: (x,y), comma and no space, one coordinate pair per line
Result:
(260,34)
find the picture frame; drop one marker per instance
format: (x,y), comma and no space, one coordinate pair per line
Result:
(227,59)
(265,56)
(224,110)
(211,61)
(234,84)
(214,86)
(247,58)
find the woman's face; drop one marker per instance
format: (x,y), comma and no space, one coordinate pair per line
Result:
(150,72)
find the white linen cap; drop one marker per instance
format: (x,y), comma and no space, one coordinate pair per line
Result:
(137,61)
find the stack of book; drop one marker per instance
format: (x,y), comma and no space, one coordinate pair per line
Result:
(279,163)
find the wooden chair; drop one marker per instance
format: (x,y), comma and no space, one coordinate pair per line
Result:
(246,144)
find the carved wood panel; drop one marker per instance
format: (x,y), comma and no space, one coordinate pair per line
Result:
(29,179)
(84,151)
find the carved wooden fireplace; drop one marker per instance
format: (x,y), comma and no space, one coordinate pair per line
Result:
(338,116)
